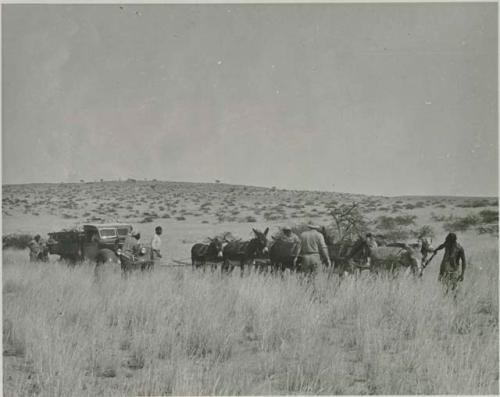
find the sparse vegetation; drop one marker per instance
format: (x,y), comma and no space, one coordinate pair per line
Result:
(475,203)
(397,227)
(461,224)
(489,216)
(181,332)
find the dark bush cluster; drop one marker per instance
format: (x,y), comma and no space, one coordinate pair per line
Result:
(390,222)
(475,203)
(396,227)
(462,224)
(19,241)
(489,216)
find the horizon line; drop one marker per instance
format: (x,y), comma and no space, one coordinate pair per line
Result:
(134,180)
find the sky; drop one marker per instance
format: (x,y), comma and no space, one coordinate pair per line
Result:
(386,99)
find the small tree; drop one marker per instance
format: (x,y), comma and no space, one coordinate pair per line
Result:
(348,222)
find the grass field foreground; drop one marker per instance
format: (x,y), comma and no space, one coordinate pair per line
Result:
(181,332)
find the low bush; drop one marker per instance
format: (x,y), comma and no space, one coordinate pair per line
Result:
(18,241)
(425,231)
(489,216)
(462,224)
(475,203)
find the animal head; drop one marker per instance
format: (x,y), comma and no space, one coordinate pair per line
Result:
(261,240)
(216,246)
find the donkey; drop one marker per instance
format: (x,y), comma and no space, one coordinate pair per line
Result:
(245,252)
(202,253)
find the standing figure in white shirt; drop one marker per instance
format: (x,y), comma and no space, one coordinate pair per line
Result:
(156,244)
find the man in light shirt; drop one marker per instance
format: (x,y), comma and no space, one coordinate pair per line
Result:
(313,249)
(156,243)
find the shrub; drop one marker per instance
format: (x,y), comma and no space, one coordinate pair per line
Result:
(475,203)
(462,224)
(425,231)
(68,216)
(19,241)
(489,216)
(387,222)
(488,229)
(251,219)
(441,218)
(397,234)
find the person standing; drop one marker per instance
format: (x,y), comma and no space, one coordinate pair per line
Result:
(313,249)
(453,259)
(290,237)
(370,244)
(131,244)
(35,247)
(156,243)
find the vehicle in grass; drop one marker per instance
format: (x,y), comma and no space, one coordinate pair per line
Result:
(140,260)
(100,243)
(94,242)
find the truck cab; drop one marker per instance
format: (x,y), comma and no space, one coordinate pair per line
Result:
(106,235)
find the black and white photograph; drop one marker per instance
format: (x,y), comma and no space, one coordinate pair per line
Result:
(250,199)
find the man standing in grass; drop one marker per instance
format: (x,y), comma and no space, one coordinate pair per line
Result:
(454,256)
(293,240)
(370,244)
(131,244)
(36,247)
(156,244)
(313,249)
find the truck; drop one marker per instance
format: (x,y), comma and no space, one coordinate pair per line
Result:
(99,243)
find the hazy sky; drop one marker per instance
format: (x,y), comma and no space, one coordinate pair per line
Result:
(380,99)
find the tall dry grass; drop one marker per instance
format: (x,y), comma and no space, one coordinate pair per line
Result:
(181,332)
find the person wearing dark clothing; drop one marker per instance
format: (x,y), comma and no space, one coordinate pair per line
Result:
(290,237)
(453,264)
(131,245)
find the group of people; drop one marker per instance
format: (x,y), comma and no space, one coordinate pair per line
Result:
(312,247)
(131,245)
